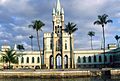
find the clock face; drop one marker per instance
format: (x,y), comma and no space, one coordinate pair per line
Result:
(58,20)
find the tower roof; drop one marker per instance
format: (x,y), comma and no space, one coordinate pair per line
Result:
(58,6)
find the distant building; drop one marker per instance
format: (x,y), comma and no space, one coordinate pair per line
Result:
(5,47)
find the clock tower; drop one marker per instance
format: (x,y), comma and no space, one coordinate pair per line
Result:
(56,45)
(58,19)
(58,26)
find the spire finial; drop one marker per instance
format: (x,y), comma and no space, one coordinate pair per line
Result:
(58,6)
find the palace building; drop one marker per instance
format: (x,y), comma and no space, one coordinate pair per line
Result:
(56,50)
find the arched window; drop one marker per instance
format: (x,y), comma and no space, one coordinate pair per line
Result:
(38,60)
(27,59)
(84,59)
(94,58)
(100,59)
(50,44)
(105,58)
(22,60)
(65,45)
(32,59)
(111,58)
(89,59)
(79,60)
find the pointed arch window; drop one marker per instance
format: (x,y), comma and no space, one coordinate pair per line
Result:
(38,60)
(94,58)
(33,60)
(105,58)
(84,59)
(79,60)
(100,59)
(89,59)
(65,46)
(50,44)
(22,60)
(27,59)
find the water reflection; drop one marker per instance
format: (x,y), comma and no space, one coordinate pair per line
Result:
(114,78)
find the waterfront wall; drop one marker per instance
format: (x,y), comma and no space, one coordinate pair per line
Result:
(52,74)
(115,72)
(45,74)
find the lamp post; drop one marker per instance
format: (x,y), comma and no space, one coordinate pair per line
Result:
(31,37)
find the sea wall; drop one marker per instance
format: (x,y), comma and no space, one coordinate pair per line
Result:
(45,74)
(115,72)
(52,73)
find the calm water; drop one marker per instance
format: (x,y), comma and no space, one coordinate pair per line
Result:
(115,78)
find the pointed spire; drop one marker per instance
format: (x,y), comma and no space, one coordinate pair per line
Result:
(62,11)
(53,12)
(58,6)
(15,47)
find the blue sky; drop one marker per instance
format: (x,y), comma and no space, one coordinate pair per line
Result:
(16,15)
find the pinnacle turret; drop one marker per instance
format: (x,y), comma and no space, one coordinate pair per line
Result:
(58,6)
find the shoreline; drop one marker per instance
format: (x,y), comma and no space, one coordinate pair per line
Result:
(52,73)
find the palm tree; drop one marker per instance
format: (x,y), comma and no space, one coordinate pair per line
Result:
(117,38)
(70,28)
(20,47)
(37,25)
(9,57)
(31,37)
(103,20)
(91,34)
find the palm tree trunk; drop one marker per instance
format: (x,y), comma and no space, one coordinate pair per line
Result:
(9,64)
(39,46)
(70,51)
(104,43)
(91,43)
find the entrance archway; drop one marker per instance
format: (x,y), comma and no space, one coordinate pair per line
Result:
(51,61)
(58,61)
(66,61)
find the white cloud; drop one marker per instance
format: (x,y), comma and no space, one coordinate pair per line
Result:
(19,37)
(26,46)
(2,2)
(16,15)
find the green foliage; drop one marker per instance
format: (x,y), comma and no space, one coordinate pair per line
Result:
(117,37)
(20,47)
(91,33)
(70,28)
(9,57)
(37,25)
(31,36)
(103,20)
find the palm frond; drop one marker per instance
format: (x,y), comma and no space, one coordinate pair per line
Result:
(74,30)
(9,55)
(102,20)
(70,28)
(97,22)
(109,21)
(117,37)
(91,33)
(37,25)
